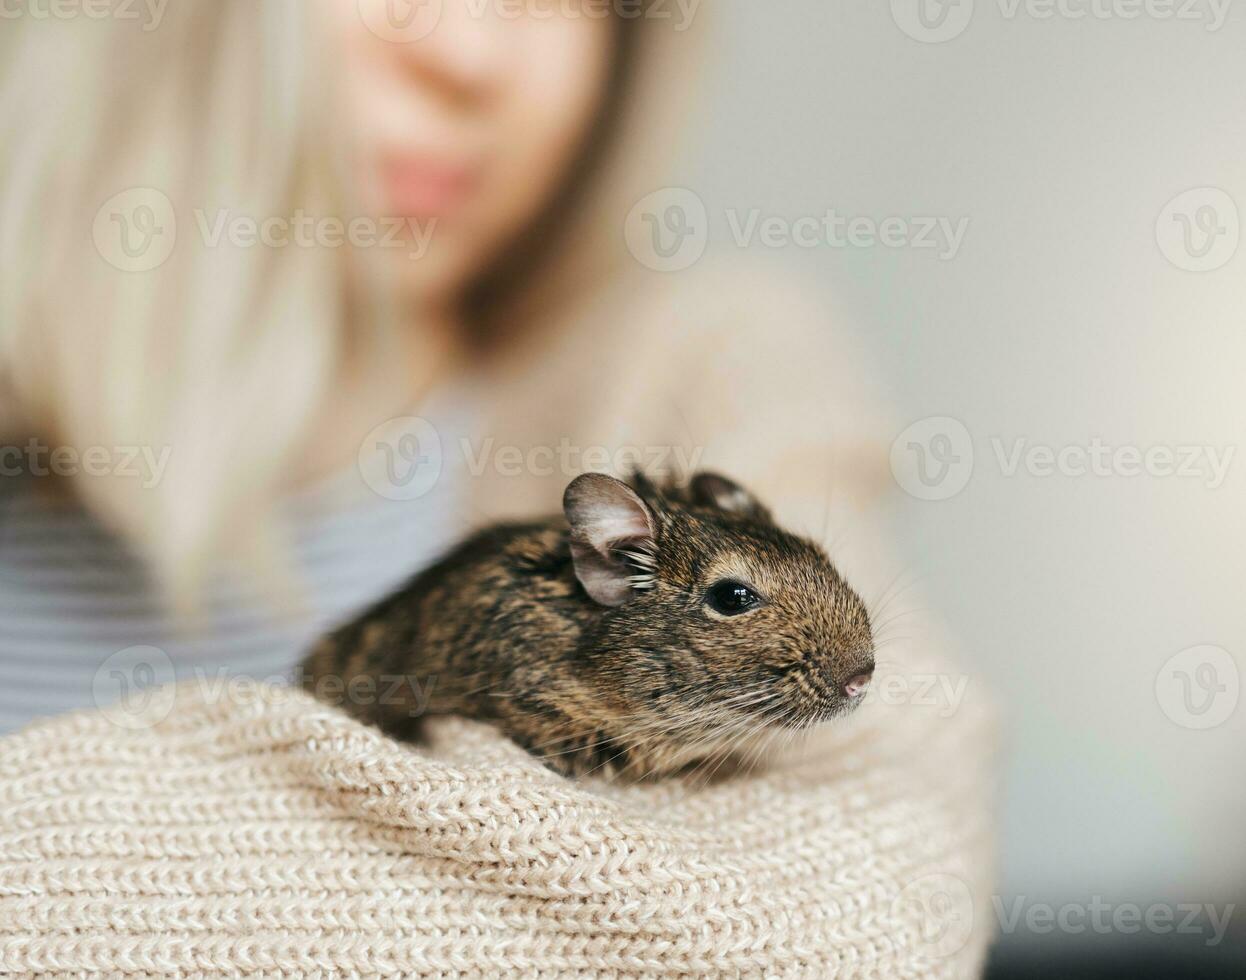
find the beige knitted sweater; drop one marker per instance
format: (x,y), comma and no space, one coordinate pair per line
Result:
(255,831)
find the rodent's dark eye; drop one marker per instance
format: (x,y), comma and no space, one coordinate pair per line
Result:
(730,598)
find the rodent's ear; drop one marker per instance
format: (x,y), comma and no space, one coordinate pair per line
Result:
(714,490)
(613,537)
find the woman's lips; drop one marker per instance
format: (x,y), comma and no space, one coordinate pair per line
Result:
(424,188)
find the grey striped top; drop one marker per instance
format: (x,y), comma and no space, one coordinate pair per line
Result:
(79,619)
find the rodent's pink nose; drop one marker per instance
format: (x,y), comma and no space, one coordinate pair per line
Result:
(857,685)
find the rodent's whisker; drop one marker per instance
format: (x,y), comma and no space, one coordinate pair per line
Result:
(727,751)
(890,593)
(897,616)
(717,733)
(714,730)
(755,748)
(630,744)
(650,725)
(889,639)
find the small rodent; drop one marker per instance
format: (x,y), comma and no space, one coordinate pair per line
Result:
(646,632)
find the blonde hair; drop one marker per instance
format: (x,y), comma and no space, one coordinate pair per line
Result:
(188,356)
(223,356)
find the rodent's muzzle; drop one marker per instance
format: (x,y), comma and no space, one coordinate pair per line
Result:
(822,695)
(855,686)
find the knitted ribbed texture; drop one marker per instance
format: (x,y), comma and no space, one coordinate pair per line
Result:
(279,837)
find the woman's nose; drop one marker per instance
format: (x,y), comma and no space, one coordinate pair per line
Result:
(460,45)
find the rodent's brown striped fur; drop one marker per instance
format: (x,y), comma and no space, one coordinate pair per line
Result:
(503,629)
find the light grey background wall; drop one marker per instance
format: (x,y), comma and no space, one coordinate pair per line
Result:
(1069,313)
